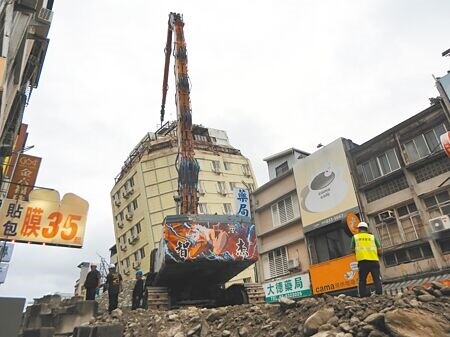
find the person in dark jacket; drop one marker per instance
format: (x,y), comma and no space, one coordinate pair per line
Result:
(138,291)
(92,282)
(113,285)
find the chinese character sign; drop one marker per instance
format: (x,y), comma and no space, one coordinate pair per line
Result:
(45,219)
(221,241)
(292,287)
(6,250)
(242,201)
(24,177)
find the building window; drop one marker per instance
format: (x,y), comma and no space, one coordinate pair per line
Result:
(444,245)
(227,165)
(282,212)
(201,188)
(278,265)
(134,204)
(131,182)
(424,144)
(378,166)
(438,204)
(251,187)
(410,222)
(227,209)
(142,252)
(232,185)
(279,170)
(127,262)
(215,164)
(328,244)
(246,170)
(221,187)
(406,255)
(202,208)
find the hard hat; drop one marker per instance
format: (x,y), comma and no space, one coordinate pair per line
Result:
(93,264)
(362,224)
(139,273)
(112,266)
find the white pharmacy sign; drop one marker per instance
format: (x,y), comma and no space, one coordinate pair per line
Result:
(291,287)
(3,272)
(242,201)
(6,251)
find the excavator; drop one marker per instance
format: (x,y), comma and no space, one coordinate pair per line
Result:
(198,253)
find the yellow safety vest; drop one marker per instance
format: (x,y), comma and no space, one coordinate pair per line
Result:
(365,247)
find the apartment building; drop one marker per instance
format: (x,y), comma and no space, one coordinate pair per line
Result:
(24,26)
(398,182)
(144,190)
(403,185)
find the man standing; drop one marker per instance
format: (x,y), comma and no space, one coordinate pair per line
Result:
(138,291)
(92,282)
(367,248)
(113,285)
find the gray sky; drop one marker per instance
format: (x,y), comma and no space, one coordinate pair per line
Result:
(273,74)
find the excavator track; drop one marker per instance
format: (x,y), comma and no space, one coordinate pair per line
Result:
(255,293)
(158,298)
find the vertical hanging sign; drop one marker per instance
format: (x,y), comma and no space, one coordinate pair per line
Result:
(242,201)
(24,177)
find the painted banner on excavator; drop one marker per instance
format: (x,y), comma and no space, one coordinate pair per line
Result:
(210,241)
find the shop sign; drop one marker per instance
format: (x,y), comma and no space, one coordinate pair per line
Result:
(292,287)
(45,219)
(334,275)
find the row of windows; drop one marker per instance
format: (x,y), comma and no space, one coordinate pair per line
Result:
(407,255)
(131,207)
(228,166)
(134,231)
(221,187)
(406,224)
(138,256)
(226,208)
(417,148)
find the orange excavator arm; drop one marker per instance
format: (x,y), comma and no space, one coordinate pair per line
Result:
(187,166)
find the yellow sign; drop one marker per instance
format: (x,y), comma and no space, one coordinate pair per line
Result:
(45,219)
(334,275)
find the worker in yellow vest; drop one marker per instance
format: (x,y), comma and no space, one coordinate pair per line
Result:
(367,248)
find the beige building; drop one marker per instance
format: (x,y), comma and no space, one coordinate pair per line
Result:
(398,182)
(281,241)
(144,191)
(403,184)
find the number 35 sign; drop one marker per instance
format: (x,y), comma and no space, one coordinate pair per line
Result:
(45,219)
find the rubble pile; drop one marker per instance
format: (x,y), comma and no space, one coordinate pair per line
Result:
(423,311)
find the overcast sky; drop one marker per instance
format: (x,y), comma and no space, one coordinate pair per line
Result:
(273,74)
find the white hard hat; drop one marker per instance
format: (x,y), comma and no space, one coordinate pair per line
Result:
(93,264)
(112,266)
(362,224)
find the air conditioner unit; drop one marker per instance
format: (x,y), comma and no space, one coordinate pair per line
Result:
(123,247)
(129,190)
(125,194)
(117,202)
(440,224)
(293,264)
(386,216)
(45,15)
(129,216)
(132,240)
